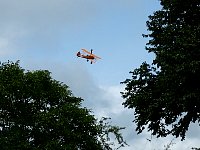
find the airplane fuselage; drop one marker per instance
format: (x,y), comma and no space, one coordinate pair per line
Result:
(87,56)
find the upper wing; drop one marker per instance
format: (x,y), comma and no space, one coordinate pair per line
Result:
(84,50)
(96,56)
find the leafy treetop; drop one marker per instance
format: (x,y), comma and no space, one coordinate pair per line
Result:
(38,112)
(166,94)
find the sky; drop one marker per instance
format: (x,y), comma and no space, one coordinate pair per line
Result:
(47,34)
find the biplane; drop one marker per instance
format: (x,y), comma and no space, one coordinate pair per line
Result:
(88,55)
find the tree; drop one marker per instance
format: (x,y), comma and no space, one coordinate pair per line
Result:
(38,112)
(166,93)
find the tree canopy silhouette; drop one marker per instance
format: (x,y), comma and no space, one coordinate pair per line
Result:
(166,93)
(38,112)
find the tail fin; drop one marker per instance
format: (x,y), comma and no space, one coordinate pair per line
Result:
(78,54)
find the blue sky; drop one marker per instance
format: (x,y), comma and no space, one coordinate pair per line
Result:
(46,34)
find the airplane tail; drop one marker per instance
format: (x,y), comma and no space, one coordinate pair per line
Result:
(78,54)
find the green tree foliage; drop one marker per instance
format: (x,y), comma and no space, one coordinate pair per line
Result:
(37,112)
(166,93)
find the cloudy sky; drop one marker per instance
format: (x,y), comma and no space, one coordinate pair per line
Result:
(46,34)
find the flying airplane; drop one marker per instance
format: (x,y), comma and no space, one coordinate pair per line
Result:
(88,55)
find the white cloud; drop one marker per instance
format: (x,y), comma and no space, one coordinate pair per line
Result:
(124,117)
(39,25)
